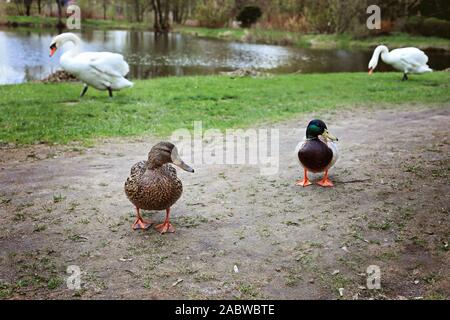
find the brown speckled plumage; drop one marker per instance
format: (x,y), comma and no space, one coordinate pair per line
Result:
(153,184)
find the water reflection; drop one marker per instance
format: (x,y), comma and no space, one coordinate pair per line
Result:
(24,55)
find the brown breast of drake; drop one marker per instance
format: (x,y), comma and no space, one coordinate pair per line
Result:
(315,155)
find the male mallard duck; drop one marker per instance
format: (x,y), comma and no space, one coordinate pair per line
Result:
(153,184)
(317,153)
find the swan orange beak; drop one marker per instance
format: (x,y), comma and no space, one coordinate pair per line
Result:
(52,51)
(370,71)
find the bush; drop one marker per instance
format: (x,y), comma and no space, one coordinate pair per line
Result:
(285,22)
(212,15)
(413,25)
(248,16)
(9,9)
(319,19)
(428,27)
(436,27)
(2,14)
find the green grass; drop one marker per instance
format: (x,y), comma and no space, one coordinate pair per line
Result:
(53,113)
(403,40)
(38,21)
(296,39)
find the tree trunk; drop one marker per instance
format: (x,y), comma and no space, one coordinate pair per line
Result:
(105,7)
(58,2)
(28,4)
(178,11)
(18,7)
(39,6)
(155,16)
(166,25)
(161,14)
(60,7)
(137,10)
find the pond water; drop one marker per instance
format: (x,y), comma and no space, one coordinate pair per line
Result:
(24,55)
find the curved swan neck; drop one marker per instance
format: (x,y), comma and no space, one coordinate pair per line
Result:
(70,37)
(381,50)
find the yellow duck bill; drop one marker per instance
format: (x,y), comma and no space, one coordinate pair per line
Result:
(176,160)
(329,136)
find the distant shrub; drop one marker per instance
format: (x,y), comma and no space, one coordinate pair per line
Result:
(319,19)
(10,10)
(258,35)
(212,15)
(248,16)
(436,27)
(295,24)
(2,14)
(413,25)
(285,22)
(192,23)
(427,27)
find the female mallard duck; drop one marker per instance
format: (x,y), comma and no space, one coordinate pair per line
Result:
(317,153)
(153,184)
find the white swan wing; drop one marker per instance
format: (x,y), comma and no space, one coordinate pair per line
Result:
(112,64)
(412,56)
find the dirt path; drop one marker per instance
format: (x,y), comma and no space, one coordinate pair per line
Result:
(390,208)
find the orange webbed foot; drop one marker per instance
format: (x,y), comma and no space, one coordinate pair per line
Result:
(303,183)
(165,227)
(141,224)
(325,182)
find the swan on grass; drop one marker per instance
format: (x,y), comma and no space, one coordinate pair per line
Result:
(101,70)
(407,60)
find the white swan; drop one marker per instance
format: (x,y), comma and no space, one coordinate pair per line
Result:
(407,60)
(101,70)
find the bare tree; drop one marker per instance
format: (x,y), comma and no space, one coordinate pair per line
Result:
(161,11)
(39,5)
(60,4)
(137,10)
(105,4)
(179,10)
(19,6)
(27,4)
(140,8)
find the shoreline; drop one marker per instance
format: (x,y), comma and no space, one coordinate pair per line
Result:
(257,36)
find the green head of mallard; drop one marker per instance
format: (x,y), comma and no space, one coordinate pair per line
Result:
(166,152)
(318,128)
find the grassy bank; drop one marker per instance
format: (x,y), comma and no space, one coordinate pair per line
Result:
(52,113)
(43,22)
(315,40)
